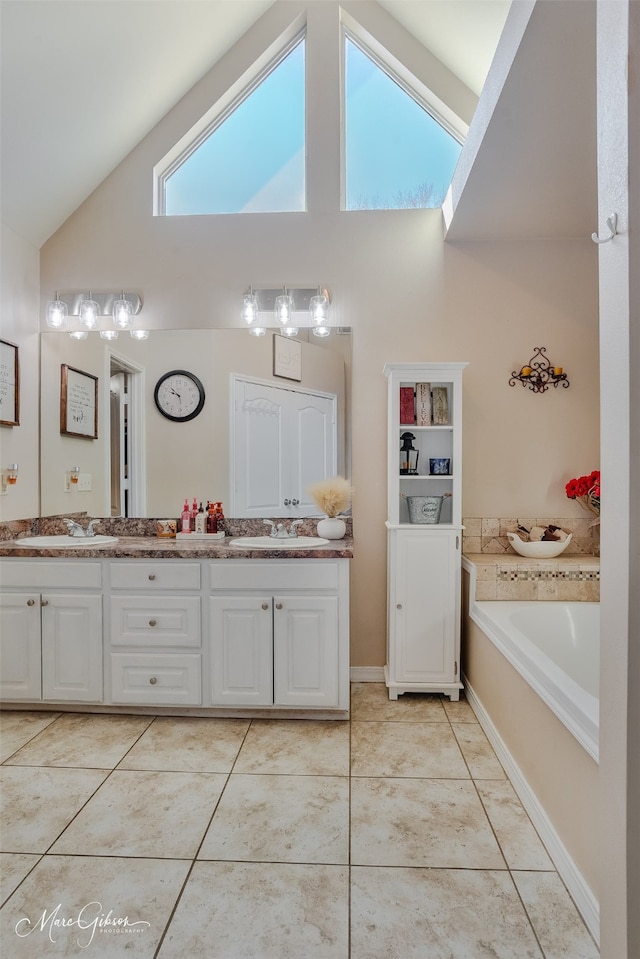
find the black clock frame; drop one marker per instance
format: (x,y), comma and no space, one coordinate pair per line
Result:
(198,384)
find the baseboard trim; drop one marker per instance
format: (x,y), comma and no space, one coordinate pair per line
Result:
(585,901)
(366,674)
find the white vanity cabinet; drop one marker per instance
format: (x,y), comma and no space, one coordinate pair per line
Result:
(154,645)
(424,557)
(50,633)
(278,634)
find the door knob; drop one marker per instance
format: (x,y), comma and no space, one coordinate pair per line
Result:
(279,606)
(31,602)
(44,602)
(265,606)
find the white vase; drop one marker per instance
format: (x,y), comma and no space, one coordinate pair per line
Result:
(331,527)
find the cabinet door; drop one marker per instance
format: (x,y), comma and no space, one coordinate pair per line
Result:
(422,606)
(241,634)
(20,669)
(305,650)
(72,648)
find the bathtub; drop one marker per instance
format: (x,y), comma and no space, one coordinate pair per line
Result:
(555,648)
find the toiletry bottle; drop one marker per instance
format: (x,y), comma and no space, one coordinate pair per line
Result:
(212,522)
(185,525)
(194,513)
(219,512)
(201,520)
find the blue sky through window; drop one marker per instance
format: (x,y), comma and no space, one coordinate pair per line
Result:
(397,155)
(254,162)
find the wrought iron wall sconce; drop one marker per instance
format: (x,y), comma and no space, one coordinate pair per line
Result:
(539,373)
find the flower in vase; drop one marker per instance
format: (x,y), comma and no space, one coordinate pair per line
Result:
(586,491)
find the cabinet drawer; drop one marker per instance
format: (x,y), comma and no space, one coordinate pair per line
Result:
(155,620)
(159,679)
(158,575)
(54,574)
(273,574)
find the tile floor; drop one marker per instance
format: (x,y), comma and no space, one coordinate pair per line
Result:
(396,834)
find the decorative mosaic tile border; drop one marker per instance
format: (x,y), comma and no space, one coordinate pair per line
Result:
(551,581)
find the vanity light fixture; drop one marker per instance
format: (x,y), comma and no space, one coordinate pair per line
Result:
(109,334)
(289,330)
(283,308)
(249,307)
(122,313)
(291,309)
(139,334)
(539,373)
(9,477)
(257,331)
(79,334)
(57,312)
(88,313)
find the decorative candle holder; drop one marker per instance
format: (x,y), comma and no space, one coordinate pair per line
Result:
(539,373)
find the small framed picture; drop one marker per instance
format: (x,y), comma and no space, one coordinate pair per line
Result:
(78,403)
(287,357)
(440,400)
(9,384)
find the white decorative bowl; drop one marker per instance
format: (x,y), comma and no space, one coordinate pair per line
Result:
(539,550)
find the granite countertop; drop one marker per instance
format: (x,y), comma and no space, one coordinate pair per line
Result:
(152,547)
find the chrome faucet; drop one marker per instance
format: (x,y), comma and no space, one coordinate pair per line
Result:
(293,532)
(280,531)
(272,531)
(75,529)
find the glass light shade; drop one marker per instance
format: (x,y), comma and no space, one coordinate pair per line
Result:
(122,314)
(57,311)
(140,334)
(79,334)
(257,331)
(289,331)
(321,331)
(88,314)
(319,307)
(283,309)
(109,334)
(249,308)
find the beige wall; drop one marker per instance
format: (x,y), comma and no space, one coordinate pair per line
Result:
(19,324)
(407,296)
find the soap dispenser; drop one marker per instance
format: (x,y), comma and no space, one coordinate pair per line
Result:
(185,526)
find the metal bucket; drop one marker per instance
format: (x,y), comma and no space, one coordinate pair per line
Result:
(424,509)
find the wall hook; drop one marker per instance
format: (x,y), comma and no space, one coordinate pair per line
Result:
(612,223)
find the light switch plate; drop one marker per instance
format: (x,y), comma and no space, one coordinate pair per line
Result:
(84,483)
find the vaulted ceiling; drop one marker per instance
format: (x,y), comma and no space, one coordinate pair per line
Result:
(83,82)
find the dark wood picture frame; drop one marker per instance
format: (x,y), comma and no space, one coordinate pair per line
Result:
(78,403)
(9,384)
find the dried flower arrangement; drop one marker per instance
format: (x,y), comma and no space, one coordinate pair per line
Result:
(332,496)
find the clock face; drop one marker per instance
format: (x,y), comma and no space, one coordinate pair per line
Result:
(179,395)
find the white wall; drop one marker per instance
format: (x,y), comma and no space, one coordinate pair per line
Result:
(404,292)
(19,324)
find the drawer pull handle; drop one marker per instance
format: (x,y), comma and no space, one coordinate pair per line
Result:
(152,576)
(153,680)
(278,605)
(265,606)
(31,602)
(153,622)
(398,605)
(44,602)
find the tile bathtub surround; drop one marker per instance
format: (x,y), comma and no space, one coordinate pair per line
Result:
(489,535)
(568,578)
(259,839)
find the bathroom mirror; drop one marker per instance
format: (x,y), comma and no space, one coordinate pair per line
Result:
(143,463)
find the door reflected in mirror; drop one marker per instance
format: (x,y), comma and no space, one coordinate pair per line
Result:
(145,464)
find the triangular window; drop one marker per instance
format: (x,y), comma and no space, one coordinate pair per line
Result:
(251,159)
(397,154)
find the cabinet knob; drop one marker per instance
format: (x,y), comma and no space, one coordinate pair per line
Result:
(152,576)
(265,606)
(398,605)
(153,622)
(31,602)
(153,681)
(44,602)
(278,605)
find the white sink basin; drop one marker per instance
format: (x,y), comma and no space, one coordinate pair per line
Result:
(269,542)
(61,542)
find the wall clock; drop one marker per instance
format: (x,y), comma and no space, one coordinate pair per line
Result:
(179,395)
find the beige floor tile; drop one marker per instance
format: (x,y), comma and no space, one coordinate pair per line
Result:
(420,822)
(37,803)
(295,748)
(559,926)
(86,890)
(438,914)
(406,749)
(18,727)
(83,740)
(370,701)
(460,711)
(281,819)
(477,751)
(156,814)
(520,843)
(188,744)
(13,868)
(261,911)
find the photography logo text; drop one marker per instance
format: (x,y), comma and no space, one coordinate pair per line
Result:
(89,920)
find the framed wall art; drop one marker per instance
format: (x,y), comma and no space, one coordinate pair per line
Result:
(9,384)
(287,357)
(78,403)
